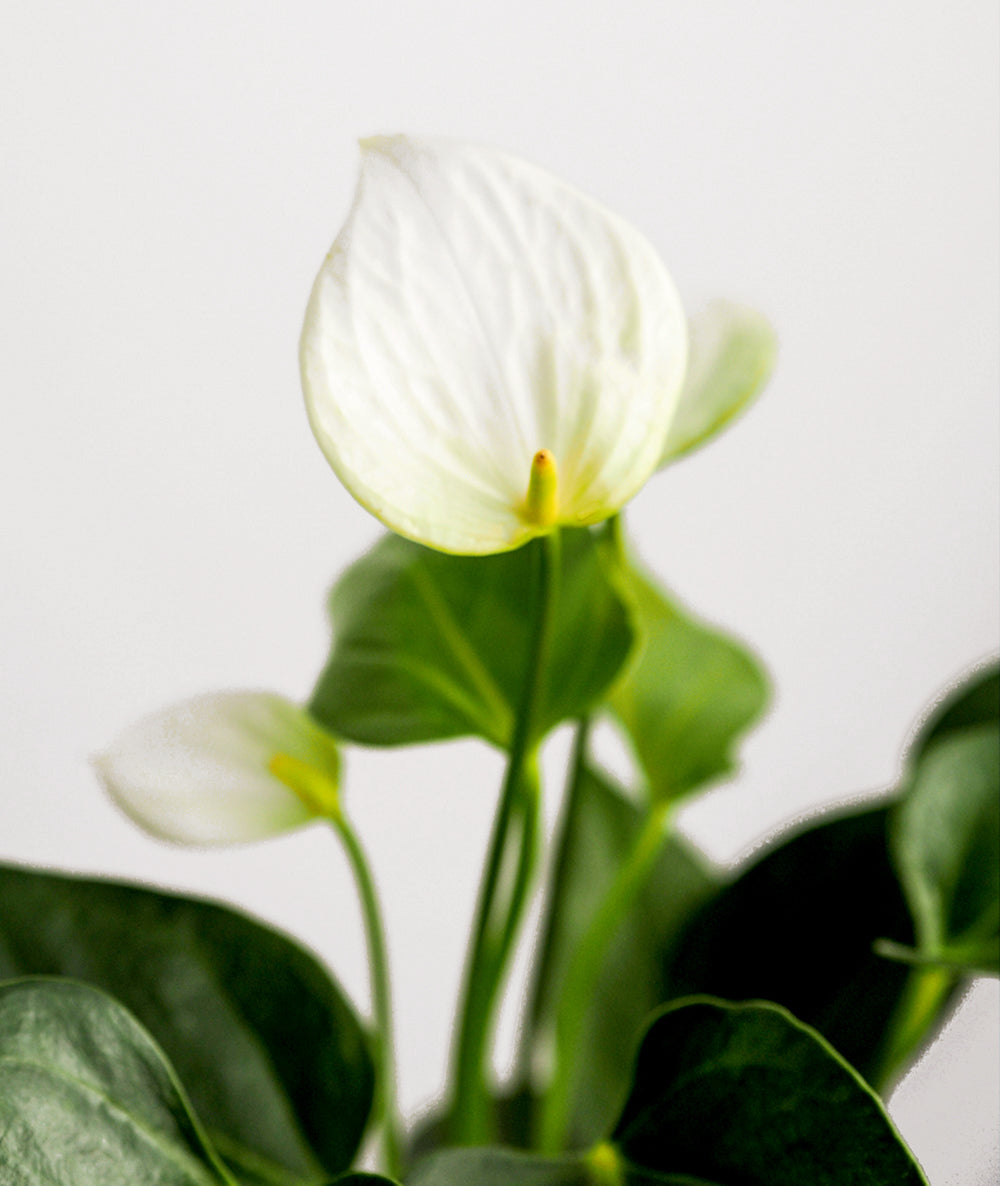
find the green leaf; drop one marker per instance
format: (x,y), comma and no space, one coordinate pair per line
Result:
(511,1124)
(745,1093)
(945,835)
(274,1058)
(495,1167)
(976,701)
(599,830)
(797,926)
(87,1098)
(430,646)
(687,696)
(732,352)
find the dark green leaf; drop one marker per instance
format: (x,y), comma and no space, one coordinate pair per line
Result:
(274,1058)
(429,646)
(687,696)
(87,1098)
(976,701)
(797,926)
(599,829)
(747,1094)
(945,835)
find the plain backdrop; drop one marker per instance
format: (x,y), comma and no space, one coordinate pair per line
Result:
(172,175)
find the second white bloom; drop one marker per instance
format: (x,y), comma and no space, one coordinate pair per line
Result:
(473,312)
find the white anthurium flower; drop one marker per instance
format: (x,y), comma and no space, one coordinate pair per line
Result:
(732,353)
(223,768)
(488,352)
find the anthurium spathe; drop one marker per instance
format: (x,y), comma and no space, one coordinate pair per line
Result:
(731,355)
(222,768)
(488,352)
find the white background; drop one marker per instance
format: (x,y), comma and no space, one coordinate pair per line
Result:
(172,177)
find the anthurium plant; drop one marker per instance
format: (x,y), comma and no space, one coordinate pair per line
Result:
(494,365)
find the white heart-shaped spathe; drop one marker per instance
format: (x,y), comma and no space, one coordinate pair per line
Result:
(473,311)
(199,772)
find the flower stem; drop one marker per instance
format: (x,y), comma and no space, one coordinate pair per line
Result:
(509,868)
(384,1105)
(541,973)
(582,974)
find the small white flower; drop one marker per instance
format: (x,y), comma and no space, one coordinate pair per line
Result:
(477,321)
(203,771)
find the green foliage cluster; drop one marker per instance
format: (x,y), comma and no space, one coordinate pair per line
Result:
(710,1027)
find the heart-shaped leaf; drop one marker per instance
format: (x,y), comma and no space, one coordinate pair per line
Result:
(274,1058)
(687,696)
(429,646)
(87,1098)
(727,1093)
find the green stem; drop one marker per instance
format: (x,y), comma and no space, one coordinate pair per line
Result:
(528,821)
(541,972)
(384,1105)
(582,974)
(614,531)
(504,893)
(925,992)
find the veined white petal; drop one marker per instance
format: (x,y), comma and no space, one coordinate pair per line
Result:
(197,772)
(474,310)
(732,354)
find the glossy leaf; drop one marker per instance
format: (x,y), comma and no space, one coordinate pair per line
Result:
(429,646)
(731,356)
(945,835)
(273,1056)
(688,694)
(600,827)
(745,1093)
(797,926)
(87,1098)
